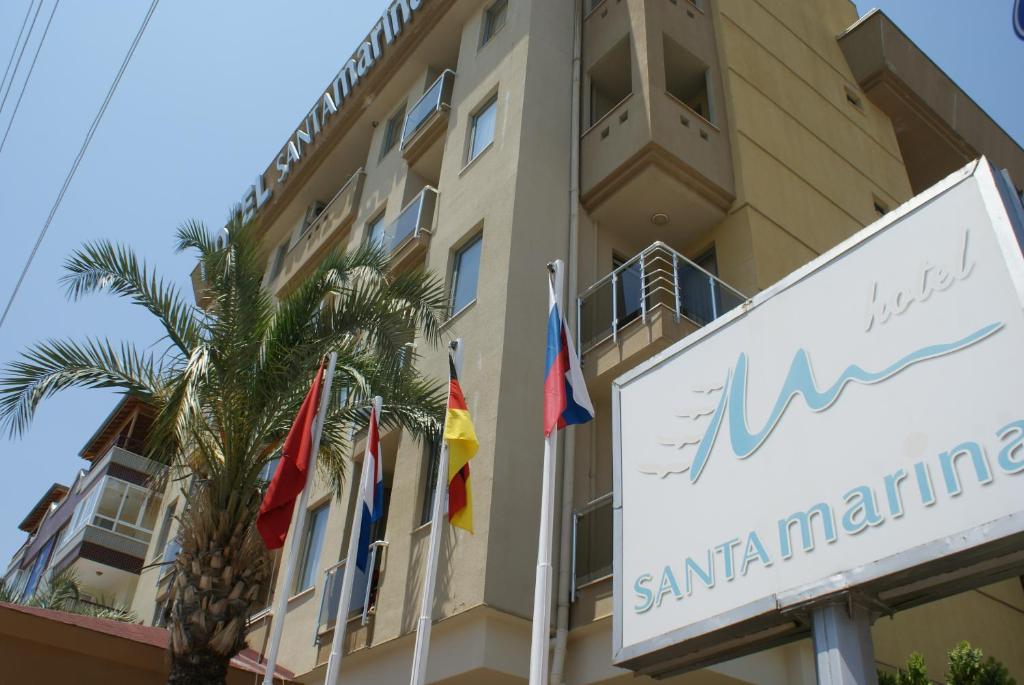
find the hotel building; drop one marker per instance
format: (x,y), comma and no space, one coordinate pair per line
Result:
(679,156)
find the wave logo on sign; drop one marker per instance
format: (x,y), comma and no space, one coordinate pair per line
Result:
(1018,18)
(732,403)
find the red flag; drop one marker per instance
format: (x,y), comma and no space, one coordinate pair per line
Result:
(290,478)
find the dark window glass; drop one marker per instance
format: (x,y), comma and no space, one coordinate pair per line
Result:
(465,275)
(482,133)
(494,19)
(629,290)
(312,542)
(392,132)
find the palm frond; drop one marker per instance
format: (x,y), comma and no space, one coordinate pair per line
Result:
(103,266)
(55,365)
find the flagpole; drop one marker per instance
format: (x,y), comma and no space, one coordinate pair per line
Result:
(542,585)
(281,603)
(345,600)
(425,621)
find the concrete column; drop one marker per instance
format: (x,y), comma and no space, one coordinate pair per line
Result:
(844,653)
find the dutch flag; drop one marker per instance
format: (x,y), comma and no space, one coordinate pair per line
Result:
(371,492)
(566,401)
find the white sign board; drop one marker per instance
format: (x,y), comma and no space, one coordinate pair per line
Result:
(861,419)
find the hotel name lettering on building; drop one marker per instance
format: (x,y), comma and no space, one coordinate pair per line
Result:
(383,34)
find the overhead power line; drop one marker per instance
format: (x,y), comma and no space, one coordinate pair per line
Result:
(14,48)
(24,86)
(20,54)
(78,159)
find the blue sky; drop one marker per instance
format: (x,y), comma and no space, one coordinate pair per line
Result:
(213,91)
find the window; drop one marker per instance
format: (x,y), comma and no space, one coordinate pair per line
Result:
(126,509)
(701,297)
(266,593)
(159,616)
(268,470)
(686,78)
(165,528)
(629,289)
(38,566)
(375,231)
(465,275)
(494,19)
(392,131)
(611,80)
(117,506)
(83,512)
(278,263)
(312,213)
(592,541)
(312,541)
(431,455)
(482,128)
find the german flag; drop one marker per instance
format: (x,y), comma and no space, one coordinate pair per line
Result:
(462,445)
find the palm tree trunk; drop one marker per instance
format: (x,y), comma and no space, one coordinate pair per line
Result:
(198,668)
(219,571)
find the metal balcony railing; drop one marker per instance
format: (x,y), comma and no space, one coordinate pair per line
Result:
(658,277)
(335,210)
(592,542)
(364,590)
(417,216)
(437,97)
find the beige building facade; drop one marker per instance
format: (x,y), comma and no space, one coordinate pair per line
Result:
(679,156)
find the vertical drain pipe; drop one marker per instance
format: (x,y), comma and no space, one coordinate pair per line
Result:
(568,460)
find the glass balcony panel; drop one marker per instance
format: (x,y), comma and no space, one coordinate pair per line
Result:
(439,94)
(364,589)
(417,215)
(332,593)
(703,297)
(629,293)
(593,542)
(133,502)
(657,278)
(110,500)
(596,314)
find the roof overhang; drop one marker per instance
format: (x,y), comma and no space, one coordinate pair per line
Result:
(108,429)
(65,646)
(938,126)
(56,493)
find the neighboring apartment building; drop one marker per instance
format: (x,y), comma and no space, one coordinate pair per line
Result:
(703,150)
(101,526)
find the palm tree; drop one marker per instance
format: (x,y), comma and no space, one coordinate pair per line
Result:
(226,387)
(63,592)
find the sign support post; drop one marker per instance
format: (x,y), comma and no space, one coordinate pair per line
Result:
(844,653)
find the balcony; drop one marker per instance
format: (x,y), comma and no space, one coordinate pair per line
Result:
(361,607)
(93,539)
(321,235)
(651,301)
(426,123)
(654,138)
(406,239)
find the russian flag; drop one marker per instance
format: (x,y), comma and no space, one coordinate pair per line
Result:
(371,492)
(566,401)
